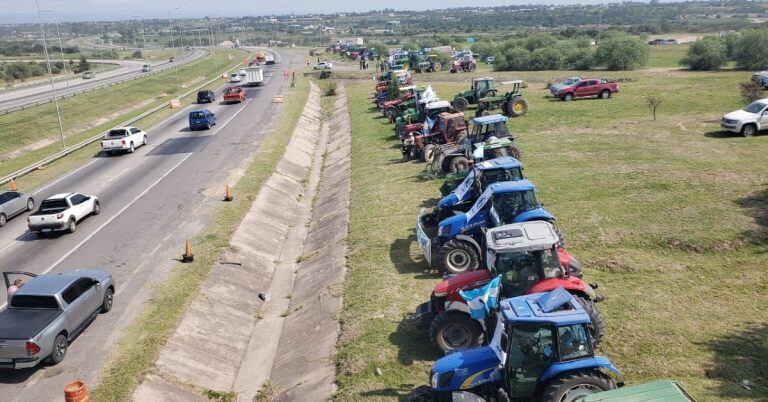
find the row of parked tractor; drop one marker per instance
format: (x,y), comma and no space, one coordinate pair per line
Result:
(513,312)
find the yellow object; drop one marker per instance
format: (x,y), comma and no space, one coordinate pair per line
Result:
(228,194)
(13,185)
(174,103)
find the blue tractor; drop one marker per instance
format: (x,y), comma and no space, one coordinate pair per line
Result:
(541,350)
(482,175)
(460,238)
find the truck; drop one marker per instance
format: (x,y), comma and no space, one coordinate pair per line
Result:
(748,121)
(63,212)
(259,56)
(123,140)
(254,76)
(48,312)
(234,94)
(269,59)
(587,88)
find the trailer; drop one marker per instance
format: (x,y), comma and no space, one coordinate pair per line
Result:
(269,59)
(254,76)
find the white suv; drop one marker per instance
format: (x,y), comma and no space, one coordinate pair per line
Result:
(748,121)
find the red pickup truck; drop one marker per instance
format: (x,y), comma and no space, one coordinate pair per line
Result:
(234,94)
(588,87)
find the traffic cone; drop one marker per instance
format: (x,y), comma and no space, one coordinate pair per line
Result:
(187,256)
(228,195)
(13,185)
(76,391)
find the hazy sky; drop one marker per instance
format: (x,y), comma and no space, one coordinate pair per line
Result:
(80,10)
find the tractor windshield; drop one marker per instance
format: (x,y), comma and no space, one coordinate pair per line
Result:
(482,133)
(489,177)
(520,270)
(509,205)
(530,352)
(573,342)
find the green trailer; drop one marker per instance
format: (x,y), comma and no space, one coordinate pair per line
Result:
(657,391)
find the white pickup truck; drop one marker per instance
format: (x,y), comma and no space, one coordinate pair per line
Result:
(748,121)
(123,139)
(63,212)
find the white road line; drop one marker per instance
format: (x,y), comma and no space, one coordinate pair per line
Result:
(115,176)
(248,102)
(64,177)
(155,249)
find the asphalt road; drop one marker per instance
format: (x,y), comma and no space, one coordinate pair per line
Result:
(128,69)
(152,200)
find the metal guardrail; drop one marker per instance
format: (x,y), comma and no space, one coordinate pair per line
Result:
(82,144)
(82,91)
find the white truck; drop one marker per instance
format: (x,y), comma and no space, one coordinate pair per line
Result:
(63,212)
(123,139)
(254,76)
(748,121)
(269,59)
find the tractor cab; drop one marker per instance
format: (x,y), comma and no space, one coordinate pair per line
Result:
(513,202)
(481,86)
(540,349)
(449,128)
(485,127)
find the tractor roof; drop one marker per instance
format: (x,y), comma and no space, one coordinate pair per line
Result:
(449,116)
(438,104)
(408,88)
(505,162)
(512,82)
(487,120)
(525,236)
(483,79)
(512,186)
(557,307)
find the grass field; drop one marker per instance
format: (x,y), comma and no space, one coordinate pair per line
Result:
(670,217)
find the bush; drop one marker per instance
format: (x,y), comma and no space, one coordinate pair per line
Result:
(622,52)
(751,91)
(547,58)
(707,53)
(330,89)
(137,54)
(540,41)
(750,51)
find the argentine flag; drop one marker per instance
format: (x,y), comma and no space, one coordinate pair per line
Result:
(483,299)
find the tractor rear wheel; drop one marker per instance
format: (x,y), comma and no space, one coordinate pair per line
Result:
(458,257)
(517,106)
(597,321)
(461,104)
(515,151)
(428,154)
(458,164)
(574,385)
(455,330)
(390,114)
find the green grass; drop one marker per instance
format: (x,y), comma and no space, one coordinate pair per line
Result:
(137,350)
(26,127)
(667,56)
(670,217)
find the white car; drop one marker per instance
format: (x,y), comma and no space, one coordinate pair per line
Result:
(235,78)
(323,65)
(123,139)
(146,68)
(241,72)
(748,121)
(63,212)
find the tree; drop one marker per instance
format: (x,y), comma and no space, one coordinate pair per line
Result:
(540,41)
(546,58)
(83,65)
(707,53)
(137,54)
(381,49)
(653,104)
(750,50)
(622,52)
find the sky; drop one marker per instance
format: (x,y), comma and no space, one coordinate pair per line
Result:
(17,11)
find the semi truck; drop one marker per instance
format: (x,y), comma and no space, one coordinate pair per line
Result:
(254,76)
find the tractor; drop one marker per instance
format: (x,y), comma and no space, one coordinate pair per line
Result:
(409,98)
(448,128)
(430,65)
(481,88)
(540,350)
(459,241)
(511,103)
(465,64)
(489,139)
(529,259)
(414,109)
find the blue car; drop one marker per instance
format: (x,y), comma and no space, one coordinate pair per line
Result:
(201,119)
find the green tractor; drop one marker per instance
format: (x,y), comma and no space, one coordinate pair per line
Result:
(428,65)
(511,103)
(481,88)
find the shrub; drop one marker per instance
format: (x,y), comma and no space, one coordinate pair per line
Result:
(330,89)
(751,91)
(622,52)
(540,41)
(547,58)
(750,50)
(707,53)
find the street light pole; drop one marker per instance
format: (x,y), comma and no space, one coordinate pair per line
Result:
(50,73)
(61,48)
(173,47)
(143,37)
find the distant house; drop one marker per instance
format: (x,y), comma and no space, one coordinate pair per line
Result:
(351,41)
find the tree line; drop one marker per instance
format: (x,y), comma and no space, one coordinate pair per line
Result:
(748,48)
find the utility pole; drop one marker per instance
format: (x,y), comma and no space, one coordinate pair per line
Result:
(143,37)
(173,47)
(50,73)
(61,49)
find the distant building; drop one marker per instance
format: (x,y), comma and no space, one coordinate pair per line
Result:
(351,41)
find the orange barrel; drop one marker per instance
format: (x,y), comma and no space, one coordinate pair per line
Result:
(76,391)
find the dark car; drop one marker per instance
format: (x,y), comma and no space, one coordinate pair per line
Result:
(201,119)
(206,96)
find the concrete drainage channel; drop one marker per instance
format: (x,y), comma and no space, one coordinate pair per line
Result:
(265,323)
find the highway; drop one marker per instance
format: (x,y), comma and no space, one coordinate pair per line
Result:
(152,200)
(128,69)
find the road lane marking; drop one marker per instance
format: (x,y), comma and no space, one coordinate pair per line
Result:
(114,176)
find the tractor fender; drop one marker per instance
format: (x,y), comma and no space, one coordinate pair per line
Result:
(596,362)
(538,214)
(457,306)
(572,284)
(470,240)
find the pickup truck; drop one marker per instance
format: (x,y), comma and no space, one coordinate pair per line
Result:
(588,87)
(48,312)
(63,212)
(761,77)
(748,121)
(234,94)
(123,139)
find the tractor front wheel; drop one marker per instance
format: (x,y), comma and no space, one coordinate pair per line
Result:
(597,321)
(455,330)
(428,154)
(516,107)
(461,104)
(458,257)
(458,164)
(422,394)
(575,385)
(390,114)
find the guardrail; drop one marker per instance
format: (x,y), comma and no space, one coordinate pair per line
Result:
(82,144)
(85,90)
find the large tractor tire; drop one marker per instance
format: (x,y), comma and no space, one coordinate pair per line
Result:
(437,67)
(458,164)
(454,331)
(458,257)
(516,152)
(573,385)
(421,394)
(516,107)
(390,114)
(461,104)
(428,154)
(597,324)
(489,93)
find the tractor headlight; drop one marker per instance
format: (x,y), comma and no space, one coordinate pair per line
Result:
(444,230)
(433,382)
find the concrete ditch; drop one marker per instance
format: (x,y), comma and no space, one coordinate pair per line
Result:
(248,329)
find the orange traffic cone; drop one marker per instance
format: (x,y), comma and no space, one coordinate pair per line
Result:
(187,256)
(13,185)
(228,194)
(76,391)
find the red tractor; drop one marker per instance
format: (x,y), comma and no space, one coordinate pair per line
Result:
(448,128)
(528,259)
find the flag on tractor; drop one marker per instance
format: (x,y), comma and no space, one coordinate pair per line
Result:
(483,299)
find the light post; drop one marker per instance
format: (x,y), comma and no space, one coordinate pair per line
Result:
(50,73)
(213,44)
(61,48)
(173,47)
(143,37)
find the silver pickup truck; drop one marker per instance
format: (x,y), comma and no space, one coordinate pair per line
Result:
(48,311)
